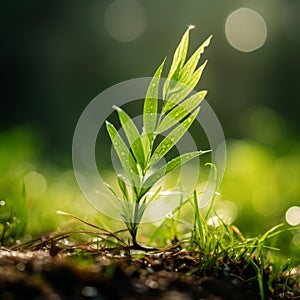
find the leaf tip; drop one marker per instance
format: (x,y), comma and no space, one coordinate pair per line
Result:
(117,108)
(203,65)
(191,27)
(206,151)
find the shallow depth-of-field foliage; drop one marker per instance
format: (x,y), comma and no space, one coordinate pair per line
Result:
(260,184)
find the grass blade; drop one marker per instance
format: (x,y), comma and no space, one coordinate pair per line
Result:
(172,138)
(181,111)
(132,135)
(125,157)
(200,226)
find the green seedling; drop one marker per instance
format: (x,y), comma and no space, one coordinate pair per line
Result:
(139,160)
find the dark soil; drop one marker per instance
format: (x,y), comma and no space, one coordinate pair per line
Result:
(172,274)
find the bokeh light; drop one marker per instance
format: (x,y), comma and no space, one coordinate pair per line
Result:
(292,215)
(296,238)
(35,183)
(245,30)
(125,20)
(227,211)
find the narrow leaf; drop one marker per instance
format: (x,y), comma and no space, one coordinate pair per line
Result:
(171,165)
(190,66)
(184,89)
(121,202)
(146,146)
(140,211)
(194,79)
(132,135)
(123,187)
(178,58)
(172,138)
(125,157)
(181,111)
(151,102)
(180,52)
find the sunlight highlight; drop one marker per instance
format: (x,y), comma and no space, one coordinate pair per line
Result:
(245,30)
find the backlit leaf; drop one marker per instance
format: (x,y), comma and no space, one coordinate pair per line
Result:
(172,138)
(170,166)
(125,157)
(132,135)
(178,58)
(151,102)
(180,111)
(183,89)
(190,66)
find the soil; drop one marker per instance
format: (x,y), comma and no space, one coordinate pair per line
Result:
(49,272)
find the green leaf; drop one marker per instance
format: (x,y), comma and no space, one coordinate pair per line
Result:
(151,102)
(146,146)
(140,211)
(183,89)
(170,166)
(194,79)
(112,190)
(190,66)
(172,138)
(125,157)
(178,58)
(123,187)
(181,111)
(124,204)
(132,135)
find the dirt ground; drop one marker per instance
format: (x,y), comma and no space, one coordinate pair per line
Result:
(109,275)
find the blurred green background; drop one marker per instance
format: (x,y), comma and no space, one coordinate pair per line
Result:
(56,56)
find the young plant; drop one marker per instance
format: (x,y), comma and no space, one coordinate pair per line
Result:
(139,160)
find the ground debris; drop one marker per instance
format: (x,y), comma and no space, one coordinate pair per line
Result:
(162,275)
